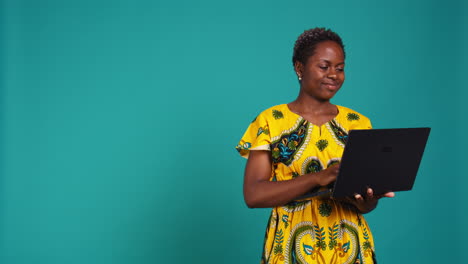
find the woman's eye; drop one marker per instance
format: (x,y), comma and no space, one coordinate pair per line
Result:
(340,69)
(323,67)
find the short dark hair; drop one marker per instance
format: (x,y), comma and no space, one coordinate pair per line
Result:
(306,43)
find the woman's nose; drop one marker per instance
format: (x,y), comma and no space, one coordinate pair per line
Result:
(331,73)
(332,76)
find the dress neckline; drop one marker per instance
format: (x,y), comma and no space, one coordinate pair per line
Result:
(338,108)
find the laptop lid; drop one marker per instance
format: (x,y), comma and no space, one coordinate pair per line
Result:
(382,159)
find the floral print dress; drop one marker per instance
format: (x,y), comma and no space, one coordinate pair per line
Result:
(317,229)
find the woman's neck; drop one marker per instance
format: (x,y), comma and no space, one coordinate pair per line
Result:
(305,105)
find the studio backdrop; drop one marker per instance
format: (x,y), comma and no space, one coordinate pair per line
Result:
(119,120)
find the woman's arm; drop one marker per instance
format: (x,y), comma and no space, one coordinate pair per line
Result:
(260,192)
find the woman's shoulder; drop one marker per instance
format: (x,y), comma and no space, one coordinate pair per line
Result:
(349,115)
(275,112)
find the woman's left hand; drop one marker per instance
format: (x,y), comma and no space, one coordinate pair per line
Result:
(367,203)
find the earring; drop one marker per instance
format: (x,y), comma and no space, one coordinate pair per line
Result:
(300,79)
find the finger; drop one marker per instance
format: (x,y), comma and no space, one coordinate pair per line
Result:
(358,197)
(336,168)
(389,195)
(370,193)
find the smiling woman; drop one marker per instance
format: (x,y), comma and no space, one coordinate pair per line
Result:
(296,147)
(323,73)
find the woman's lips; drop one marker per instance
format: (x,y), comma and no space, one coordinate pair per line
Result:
(331,86)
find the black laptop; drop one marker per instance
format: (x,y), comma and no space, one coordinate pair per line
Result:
(382,159)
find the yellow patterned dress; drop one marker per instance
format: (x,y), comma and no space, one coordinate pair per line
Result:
(318,229)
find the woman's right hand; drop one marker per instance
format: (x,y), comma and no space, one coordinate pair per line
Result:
(328,176)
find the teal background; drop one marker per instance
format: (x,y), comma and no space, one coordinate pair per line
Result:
(119,121)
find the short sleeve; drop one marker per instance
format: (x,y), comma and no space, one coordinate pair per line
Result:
(256,137)
(357,121)
(367,123)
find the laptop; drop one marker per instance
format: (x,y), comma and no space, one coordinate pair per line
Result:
(382,159)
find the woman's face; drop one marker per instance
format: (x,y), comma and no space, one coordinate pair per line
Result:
(323,74)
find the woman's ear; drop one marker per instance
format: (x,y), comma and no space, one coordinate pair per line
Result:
(299,68)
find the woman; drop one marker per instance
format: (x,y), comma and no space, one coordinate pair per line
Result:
(296,147)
